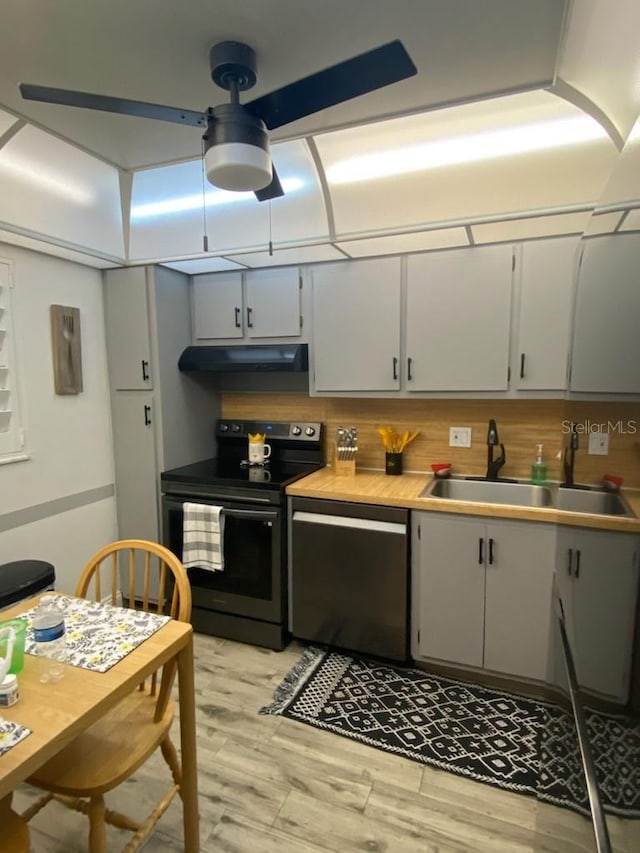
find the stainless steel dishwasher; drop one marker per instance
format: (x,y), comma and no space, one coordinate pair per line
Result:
(349,576)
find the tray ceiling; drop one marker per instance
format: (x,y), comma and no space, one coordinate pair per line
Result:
(157,51)
(484,69)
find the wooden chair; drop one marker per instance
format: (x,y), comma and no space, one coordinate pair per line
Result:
(14,832)
(109,752)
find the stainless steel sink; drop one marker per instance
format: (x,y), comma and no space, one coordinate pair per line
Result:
(598,502)
(586,499)
(490,491)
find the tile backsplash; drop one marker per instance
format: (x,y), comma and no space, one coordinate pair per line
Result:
(521,425)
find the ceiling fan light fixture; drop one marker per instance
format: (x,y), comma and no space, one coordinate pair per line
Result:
(237,166)
(237,155)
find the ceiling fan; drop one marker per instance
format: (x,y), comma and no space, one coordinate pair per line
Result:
(236,142)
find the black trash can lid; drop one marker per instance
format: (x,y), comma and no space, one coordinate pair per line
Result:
(24,578)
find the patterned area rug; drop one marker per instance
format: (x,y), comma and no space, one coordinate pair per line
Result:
(499,738)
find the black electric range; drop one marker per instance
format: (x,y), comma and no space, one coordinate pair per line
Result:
(246,601)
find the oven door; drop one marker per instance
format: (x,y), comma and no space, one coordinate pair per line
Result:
(251,583)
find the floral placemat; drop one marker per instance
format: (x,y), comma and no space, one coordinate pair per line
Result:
(99,635)
(11,734)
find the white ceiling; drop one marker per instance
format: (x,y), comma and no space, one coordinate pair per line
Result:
(481,64)
(157,51)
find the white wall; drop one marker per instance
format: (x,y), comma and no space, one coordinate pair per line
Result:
(68,437)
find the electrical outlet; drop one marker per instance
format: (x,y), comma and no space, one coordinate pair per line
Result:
(459,436)
(598,443)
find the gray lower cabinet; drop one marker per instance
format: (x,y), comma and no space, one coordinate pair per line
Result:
(482,593)
(133,421)
(597,577)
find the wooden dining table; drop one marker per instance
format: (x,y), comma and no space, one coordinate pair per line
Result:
(57,712)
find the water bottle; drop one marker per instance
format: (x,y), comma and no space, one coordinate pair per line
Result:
(50,637)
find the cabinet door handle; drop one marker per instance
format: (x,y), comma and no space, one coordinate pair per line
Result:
(578,555)
(490,552)
(522,365)
(409,363)
(249,323)
(237,313)
(145,370)
(569,561)
(395,367)
(480,551)
(147,415)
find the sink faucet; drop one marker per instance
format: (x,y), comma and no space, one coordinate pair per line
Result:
(494,465)
(569,457)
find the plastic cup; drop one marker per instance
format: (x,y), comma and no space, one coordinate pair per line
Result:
(20,628)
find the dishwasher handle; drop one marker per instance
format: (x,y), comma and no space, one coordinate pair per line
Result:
(347,521)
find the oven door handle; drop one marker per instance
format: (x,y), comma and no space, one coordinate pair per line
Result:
(234,512)
(250,513)
(177,500)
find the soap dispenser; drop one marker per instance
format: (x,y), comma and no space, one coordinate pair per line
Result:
(539,467)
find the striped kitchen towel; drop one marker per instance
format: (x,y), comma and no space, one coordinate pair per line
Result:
(203,537)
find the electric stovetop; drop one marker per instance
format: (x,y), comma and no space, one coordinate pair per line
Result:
(230,473)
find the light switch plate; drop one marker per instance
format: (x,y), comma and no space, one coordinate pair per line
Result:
(598,443)
(459,436)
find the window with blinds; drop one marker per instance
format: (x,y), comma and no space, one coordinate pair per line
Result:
(11,433)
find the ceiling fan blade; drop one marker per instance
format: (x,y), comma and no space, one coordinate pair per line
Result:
(69,98)
(356,76)
(273,190)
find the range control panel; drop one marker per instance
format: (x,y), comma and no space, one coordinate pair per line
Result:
(289,430)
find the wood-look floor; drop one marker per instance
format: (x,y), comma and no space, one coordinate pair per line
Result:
(271,785)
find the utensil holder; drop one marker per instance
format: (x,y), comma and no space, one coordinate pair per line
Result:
(344,467)
(393,463)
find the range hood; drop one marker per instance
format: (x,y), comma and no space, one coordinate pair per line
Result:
(247,358)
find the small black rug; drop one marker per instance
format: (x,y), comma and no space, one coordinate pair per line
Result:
(499,738)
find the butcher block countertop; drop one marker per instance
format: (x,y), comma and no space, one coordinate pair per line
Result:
(376,487)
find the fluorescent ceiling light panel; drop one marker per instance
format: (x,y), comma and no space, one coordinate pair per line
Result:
(468,148)
(212,198)
(45,178)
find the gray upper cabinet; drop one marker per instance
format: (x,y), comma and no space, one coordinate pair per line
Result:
(265,305)
(217,306)
(458,319)
(164,427)
(606,343)
(272,305)
(126,307)
(356,325)
(542,335)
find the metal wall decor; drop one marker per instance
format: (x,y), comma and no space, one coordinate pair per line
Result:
(67,351)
